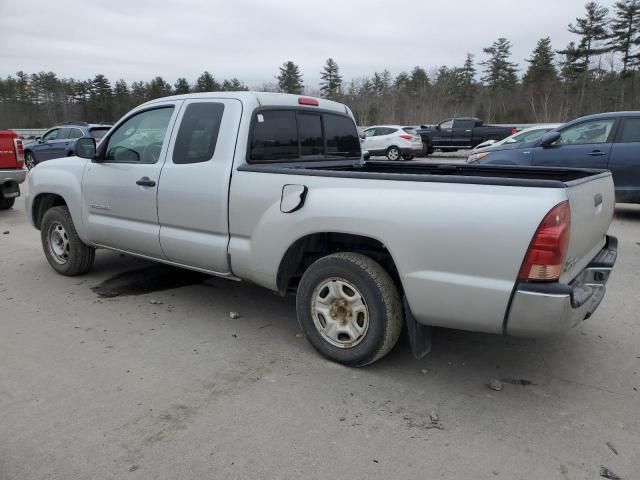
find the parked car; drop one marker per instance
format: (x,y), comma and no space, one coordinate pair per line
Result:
(60,141)
(525,135)
(606,140)
(460,133)
(12,172)
(285,200)
(393,141)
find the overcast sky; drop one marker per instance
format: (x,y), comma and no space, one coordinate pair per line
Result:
(140,39)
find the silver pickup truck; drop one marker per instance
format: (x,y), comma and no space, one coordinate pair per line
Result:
(272,189)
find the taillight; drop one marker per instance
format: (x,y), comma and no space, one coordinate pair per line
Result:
(544,260)
(19,148)
(407,137)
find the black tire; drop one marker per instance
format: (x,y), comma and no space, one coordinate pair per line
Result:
(407,157)
(7,203)
(379,295)
(74,257)
(30,160)
(393,154)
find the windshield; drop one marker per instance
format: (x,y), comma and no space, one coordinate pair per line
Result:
(526,136)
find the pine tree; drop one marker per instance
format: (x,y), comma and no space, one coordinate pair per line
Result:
(541,80)
(625,31)
(100,99)
(592,30)
(499,73)
(206,83)
(331,84)
(181,86)
(467,79)
(121,101)
(290,79)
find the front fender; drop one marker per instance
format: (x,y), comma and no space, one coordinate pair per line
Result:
(63,178)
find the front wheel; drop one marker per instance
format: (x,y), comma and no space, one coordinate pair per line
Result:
(29,160)
(349,308)
(393,153)
(66,253)
(407,157)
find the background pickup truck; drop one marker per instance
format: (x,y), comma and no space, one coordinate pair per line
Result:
(459,133)
(272,189)
(12,172)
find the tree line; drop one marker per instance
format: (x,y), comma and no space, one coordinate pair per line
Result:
(597,72)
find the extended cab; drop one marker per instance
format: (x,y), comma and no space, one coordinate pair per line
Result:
(461,133)
(12,172)
(272,189)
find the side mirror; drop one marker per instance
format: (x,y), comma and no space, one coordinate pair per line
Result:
(39,139)
(549,138)
(437,127)
(86,147)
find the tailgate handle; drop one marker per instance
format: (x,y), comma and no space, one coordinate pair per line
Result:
(597,200)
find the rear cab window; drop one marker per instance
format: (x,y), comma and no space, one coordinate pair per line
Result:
(198,133)
(287,135)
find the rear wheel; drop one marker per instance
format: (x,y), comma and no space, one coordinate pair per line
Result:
(29,160)
(66,253)
(349,308)
(7,203)
(393,153)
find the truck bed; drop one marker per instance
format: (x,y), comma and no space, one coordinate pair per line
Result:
(507,175)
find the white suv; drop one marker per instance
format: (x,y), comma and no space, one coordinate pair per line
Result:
(393,141)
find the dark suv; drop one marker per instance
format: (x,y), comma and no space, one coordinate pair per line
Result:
(60,141)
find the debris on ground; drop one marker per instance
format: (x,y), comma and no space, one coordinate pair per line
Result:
(606,473)
(299,335)
(234,335)
(517,381)
(495,384)
(6,232)
(424,371)
(611,447)
(234,315)
(134,468)
(155,302)
(435,421)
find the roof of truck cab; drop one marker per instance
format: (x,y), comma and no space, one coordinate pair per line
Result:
(264,99)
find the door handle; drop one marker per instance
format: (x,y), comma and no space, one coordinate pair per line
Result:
(596,153)
(146,182)
(467,130)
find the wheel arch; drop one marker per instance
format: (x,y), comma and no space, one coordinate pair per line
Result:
(310,247)
(43,202)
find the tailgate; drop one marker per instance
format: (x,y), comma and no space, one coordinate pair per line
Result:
(7,150)
(592,201)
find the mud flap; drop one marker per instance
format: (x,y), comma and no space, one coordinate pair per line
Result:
(419,335)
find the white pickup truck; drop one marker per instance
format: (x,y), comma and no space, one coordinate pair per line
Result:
(272,189)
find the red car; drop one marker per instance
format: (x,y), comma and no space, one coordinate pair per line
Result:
(12,172)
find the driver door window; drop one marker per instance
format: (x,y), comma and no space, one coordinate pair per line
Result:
(51,135)
(597,131)
(446,124)
(139,139)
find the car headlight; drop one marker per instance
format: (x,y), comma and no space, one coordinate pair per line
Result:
(477,157)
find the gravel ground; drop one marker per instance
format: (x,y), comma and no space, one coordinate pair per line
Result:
(161,383)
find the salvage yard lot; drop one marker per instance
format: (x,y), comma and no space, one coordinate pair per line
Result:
(164,384)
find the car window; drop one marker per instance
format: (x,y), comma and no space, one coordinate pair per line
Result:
(51,135)
(99,132)
(275,136)
(198,134)
(370,132)
(75,133)
(630,131)
(527,136)
(410,131)
(463,123)
(342,137)
(447,124)
(385,131)
(595,131)
(139,139)
(310,131)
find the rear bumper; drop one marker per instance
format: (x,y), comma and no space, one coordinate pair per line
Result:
(539,309)
(9,181)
